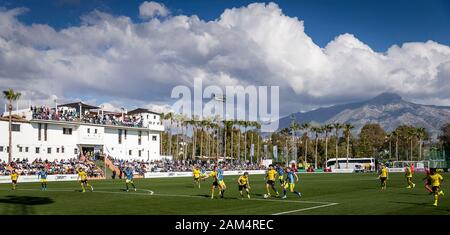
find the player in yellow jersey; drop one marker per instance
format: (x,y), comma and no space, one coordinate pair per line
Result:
(384,175)
(217,175)
(270,180)
(408,176)
(196,175)
(436,180)
(14,178)
(244,183)
(82,175)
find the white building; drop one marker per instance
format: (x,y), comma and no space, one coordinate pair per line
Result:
(54,137)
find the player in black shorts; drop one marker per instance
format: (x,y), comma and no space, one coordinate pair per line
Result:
(243,183)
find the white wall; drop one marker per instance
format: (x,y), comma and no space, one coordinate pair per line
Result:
(105,136)
(28,137)
(149,147)
(87,134)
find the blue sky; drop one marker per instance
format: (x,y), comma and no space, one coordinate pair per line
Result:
(379,23)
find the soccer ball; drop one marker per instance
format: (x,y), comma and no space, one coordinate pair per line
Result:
(266,196)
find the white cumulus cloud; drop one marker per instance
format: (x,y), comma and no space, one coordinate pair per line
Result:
(152,9)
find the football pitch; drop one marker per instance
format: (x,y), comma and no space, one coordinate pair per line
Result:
(329,194)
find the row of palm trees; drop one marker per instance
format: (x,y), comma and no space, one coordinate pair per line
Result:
(209,137)
(410,134)
(413,136)
(317,131)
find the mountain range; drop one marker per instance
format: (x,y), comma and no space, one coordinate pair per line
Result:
(388,109)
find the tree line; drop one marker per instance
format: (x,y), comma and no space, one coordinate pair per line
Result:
(188,138)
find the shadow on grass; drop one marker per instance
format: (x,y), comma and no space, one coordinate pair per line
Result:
(426,204)
(415,194)
(413,203)
(216,197)
(22,204)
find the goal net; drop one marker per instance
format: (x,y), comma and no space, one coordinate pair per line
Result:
(416,165)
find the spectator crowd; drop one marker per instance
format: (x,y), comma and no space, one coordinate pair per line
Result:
(166,165)
(72,115)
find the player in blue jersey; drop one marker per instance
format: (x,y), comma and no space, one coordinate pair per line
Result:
(291,178)
(203,172)
(222,185)
(280,173)
(130,175)
(42,175)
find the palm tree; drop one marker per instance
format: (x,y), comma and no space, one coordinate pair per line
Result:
(169,117)
(193,122)
(294,127)
(285,133)
(421,132)
(184,124)
(229,127)
(317,130)
(245,124)
(389,138)
(214,130)
(208,123)
(255,126)
(305,127)
(347,131)
(395,133)
(238,123)
(217,120)
(411,135)
(327,129)
(179,119)
(11,96)
(258,129)
(203,124)
(224,143)
(337,127)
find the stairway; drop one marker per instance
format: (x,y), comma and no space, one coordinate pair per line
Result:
(111,165)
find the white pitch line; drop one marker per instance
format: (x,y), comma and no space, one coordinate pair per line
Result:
(305,209)
(282,200)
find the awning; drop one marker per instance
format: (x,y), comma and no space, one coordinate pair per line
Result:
(77,106)
(141,110)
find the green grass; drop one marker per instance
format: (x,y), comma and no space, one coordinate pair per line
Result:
(352,193)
